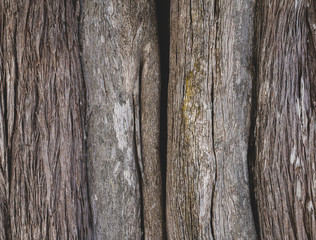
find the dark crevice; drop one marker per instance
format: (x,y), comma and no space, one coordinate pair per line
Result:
(311,46)
(138,155)
(251,153)
(163,19)
(11,131)
(215,73)
(83,112)
(215,180)
(7,221)
(191,26)
(251,157)
(4,207)
(9,139)
(139,171)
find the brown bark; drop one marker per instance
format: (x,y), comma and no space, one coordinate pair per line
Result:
(285,179)
(43,193)
(208,120)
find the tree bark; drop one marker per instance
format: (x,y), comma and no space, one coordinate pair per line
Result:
(121,66)
(285,141)
(80,108)
(43,188)
(209,120)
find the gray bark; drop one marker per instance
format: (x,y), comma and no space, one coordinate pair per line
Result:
(121,69)
(285,159)
(209,120)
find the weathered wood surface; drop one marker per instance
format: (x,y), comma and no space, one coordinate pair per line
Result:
(49,114)
(209,120)
(121,69)
(285,176)
(43,193)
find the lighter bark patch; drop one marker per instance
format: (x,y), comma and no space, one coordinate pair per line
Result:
(116,168)
(310,206)
(293,154)
(298,162)
(298,190)
(122,123)
(128,178)
(205,198)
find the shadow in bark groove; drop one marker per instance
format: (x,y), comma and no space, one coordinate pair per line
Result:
(251,154)
(80,41)
(137,157)
(163,12)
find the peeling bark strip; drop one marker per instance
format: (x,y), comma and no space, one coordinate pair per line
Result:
(121,65)
(208,126)
(285,127)
(43,192)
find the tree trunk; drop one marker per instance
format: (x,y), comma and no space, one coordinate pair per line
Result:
(121,66)
(209,120)
(285,127)
(43,188)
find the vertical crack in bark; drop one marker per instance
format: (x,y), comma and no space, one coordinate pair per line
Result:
(191,26)
(215,180)
(311,45)
(11,133)
(138,155)
(163,22)
(214,75)
(251,153)
(79,15)
(7,222)
(6,169)
(9,136)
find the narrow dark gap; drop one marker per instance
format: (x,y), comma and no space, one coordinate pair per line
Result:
(4,207)
(163,19)
(251,154)
(216,72)
(137,157)
(83,112)
(311,49)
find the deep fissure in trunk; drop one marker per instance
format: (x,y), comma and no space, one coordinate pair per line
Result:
(163,23)
(139,166)
(84,104)
(251,154)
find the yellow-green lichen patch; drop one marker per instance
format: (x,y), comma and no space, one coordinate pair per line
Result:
(191,108)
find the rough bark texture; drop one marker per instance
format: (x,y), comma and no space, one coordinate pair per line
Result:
(285,129)
(121,66)
(229,102)
(209,120)
(43,193)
